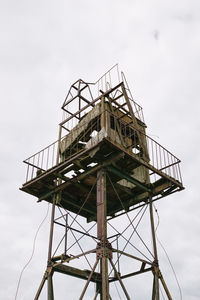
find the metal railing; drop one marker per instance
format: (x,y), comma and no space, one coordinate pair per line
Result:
(110,79)
(78,139)
(137,109)
(156,155)
(84,136)
(41,161)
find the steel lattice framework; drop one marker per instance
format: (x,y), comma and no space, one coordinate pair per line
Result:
(102,176)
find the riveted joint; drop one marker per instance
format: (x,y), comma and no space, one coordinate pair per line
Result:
(104,249)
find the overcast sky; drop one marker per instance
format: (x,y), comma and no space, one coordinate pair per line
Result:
(45,46)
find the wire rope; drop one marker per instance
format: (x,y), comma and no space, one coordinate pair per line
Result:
(170,263)
(32,254)
(163,297)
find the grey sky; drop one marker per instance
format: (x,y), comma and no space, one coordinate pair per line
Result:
(47,45)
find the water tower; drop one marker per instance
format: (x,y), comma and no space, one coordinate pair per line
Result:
(101,177)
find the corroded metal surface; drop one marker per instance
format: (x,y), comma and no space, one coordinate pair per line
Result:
(102,166)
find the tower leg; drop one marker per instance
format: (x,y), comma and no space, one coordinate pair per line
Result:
(50,287)
(165,287)
(51,230)
(48,274)
(102,233)
(40,288)
(155,292)
(50,295)
(153,289)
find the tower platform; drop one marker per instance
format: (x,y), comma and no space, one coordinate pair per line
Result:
(109,135)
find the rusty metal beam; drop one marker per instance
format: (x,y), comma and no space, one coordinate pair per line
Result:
(132,274)
(76,230)
(92,170)
(92,102)
(68,259)
(132,256)
(50,291)
(101,206)
(156,292)
(88,280)
(165,286)
(146,164)
(123,175)
(40,287)
(59,167)
(120,280)
(102,231)
(75,272)
(77,205)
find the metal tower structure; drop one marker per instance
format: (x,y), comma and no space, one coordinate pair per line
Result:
(102,176)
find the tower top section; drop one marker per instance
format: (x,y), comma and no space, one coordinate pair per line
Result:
(102,128)
(82,96)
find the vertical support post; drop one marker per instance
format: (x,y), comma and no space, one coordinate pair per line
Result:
(50,293)
(50,274)
(59,141)
(66,232)
(79,98)
(48,277)
(51,230)
(101,205)
(102,232)
(50,287)
(103,117)
(155,292)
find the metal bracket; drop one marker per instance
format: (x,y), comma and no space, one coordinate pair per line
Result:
(104,249)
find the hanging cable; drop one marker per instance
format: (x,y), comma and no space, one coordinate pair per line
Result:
(163,297)
(158,217)
(33,251)
(170,263)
